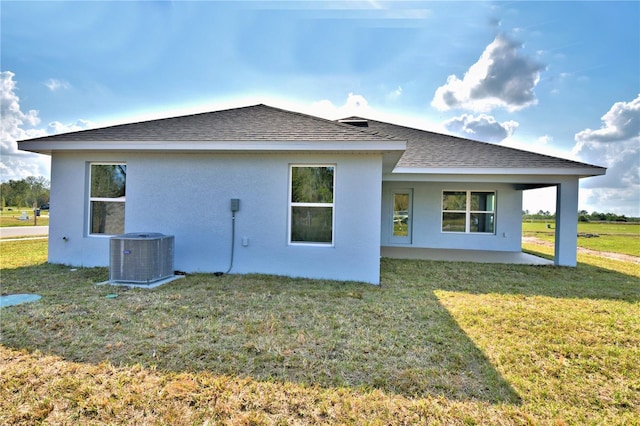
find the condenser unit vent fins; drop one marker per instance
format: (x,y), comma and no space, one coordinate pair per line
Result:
(141,258)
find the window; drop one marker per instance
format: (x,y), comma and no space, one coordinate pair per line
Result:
(107,198)
(468,211)
(311,204)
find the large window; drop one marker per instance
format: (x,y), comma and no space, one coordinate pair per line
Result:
(107,198)
(311,204)
(468,211)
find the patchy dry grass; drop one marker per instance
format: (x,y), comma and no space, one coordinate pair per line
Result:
(440,342)
(614,265)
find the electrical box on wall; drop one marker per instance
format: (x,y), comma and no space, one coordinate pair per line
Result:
(235,204)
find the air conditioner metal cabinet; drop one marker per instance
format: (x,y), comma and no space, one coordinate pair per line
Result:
(141,258)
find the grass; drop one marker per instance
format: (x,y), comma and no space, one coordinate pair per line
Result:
(610,243)
(611,228)
(438,342)
(613,243)
(14,254)
(613,265)
(9,218)
(611,237)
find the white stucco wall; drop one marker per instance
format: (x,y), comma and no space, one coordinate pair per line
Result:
(188,196)
(68,241)
(427,217)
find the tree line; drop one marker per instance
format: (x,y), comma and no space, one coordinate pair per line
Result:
(25,192)
(583,216)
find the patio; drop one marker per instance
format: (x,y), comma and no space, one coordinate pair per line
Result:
(477,256)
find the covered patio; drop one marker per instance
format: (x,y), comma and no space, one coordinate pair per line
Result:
(478,256)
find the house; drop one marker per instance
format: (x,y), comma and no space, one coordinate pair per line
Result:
(317,198)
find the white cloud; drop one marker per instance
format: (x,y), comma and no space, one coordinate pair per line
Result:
(54,84)
(501,78)
(483,127)
(13,119)
(355,105)
(394,95)
(544,140)
(17,125)
(620,123)
(623,201)
(615,145)
(58,127)
(25,165)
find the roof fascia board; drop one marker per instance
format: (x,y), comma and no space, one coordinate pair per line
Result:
(532,178)
(44,147)
(551,171)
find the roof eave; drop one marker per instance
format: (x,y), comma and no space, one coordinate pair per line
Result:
(577,170)
(48,147)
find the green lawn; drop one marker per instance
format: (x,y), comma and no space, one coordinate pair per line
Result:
(621,228)
(440,342)
(9,217)
(612,237)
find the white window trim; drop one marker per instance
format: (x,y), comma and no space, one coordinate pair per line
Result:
(468,212)
(292,204)
(103,199)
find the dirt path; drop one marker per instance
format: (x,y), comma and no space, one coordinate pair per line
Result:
(605,254)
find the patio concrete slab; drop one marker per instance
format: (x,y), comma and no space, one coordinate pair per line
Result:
(477,256)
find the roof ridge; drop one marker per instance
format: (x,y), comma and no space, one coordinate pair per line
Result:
(326,120)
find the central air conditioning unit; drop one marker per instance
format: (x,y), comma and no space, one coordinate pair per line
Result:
(141,258)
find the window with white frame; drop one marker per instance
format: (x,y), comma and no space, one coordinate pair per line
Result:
(311,204)
(469,211)
(107,188)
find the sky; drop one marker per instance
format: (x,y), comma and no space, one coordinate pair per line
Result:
(558,77)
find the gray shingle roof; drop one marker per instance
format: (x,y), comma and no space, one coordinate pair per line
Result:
(252,123)
(427,149)
(262,123)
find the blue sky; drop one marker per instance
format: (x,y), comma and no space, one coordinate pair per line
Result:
(564,76)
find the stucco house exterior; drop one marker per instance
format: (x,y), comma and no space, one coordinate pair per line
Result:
(317,198)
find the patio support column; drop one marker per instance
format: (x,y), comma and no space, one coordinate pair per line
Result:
(566,243)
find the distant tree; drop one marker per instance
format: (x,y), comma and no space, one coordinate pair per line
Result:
(583,216)
(539,215)
(38,190)
(25,192)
